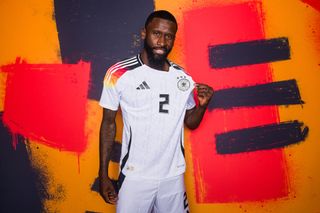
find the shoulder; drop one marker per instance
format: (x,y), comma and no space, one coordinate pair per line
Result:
(125,65)
(178,68)
(118,69)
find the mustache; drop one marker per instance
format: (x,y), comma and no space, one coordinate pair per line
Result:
(160,48)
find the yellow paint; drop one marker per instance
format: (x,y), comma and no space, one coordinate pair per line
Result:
(27,31)
(113,170)
(301,24)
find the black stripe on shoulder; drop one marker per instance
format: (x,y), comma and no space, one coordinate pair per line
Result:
(137,63)
(178,67)
(128,64)
(131,63)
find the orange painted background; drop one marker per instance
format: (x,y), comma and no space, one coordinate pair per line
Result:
(29,32)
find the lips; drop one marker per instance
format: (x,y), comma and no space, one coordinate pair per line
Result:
(160,51)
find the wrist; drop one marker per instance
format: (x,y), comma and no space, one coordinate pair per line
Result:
(103,174)
(204,106)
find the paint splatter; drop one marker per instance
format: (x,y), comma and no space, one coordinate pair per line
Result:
(21,185)
(313,3)
(47,103)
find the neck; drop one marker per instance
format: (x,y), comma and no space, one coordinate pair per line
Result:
(162,66)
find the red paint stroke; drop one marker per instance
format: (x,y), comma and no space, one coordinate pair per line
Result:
(313,3)
(253,176)
(47,103)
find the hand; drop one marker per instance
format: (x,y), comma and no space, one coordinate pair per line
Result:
(107,190)
(204,94)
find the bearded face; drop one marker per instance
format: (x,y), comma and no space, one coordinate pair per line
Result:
(157,56)
(159,38)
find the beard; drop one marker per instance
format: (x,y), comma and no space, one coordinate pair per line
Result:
(156,61)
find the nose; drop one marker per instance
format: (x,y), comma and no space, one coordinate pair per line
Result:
(161,40)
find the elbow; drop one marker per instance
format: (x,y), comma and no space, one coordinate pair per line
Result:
(192,126)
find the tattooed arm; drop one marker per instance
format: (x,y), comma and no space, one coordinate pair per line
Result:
(107,136)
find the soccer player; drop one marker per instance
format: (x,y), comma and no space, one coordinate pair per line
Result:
(156,99)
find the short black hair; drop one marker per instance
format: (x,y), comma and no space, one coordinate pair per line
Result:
(161,14)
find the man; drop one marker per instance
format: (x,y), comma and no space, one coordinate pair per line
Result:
(156,99)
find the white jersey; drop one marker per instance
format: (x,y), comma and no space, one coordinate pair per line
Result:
(153,105)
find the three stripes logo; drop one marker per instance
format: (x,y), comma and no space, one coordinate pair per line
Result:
(143,86)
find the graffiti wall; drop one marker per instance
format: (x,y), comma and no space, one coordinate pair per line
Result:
(257,149)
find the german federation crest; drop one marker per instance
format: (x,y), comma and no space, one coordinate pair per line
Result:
(183,84)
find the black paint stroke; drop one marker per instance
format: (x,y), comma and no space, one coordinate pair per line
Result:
(21,188)
(261,137)
(275,93)
(247,53)
(102,32)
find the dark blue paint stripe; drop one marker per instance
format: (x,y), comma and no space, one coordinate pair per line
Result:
(102,32)
(261,137)
(275,93)
(22,188)
(247,53)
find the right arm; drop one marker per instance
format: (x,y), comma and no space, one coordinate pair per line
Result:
(107,136)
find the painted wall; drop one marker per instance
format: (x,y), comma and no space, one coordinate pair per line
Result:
(257,149)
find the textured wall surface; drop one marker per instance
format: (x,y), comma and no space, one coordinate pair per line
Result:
(257,149)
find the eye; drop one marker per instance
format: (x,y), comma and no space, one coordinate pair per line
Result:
(156,33)
(169,36)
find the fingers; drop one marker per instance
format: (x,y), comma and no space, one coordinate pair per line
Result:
(204,93)
(110,197)
(201,86)
(107,191)
(204,90)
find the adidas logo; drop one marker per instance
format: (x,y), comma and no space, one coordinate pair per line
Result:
(142,86)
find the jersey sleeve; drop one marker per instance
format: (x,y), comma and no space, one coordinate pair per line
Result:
(190,102)
(110,97)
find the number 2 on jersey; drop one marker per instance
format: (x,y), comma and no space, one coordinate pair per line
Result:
(163,102)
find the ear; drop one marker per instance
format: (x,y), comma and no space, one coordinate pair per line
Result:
(143,33)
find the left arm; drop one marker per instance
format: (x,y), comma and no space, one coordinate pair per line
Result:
(194,116)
